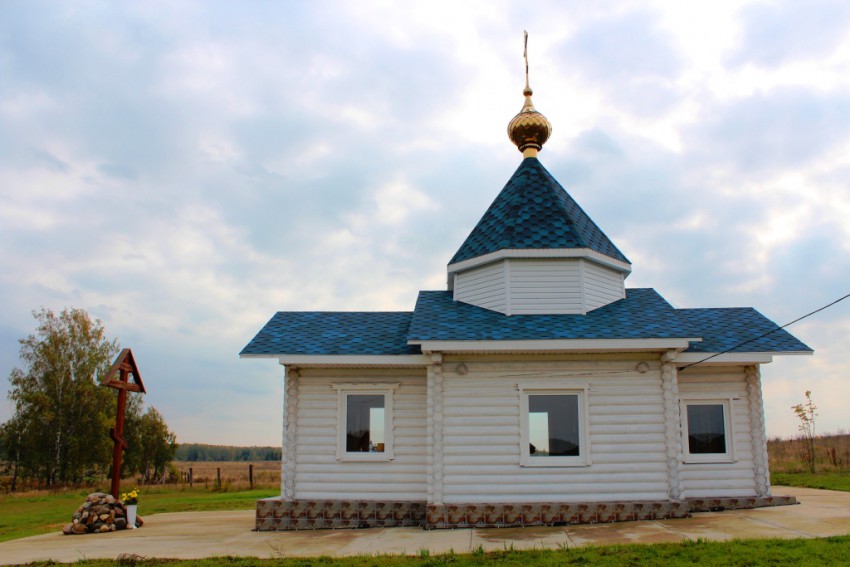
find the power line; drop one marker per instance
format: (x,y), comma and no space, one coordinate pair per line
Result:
(730,349)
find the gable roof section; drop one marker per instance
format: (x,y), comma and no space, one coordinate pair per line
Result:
(333,333)
(643,314)
(533,211)
(725,328)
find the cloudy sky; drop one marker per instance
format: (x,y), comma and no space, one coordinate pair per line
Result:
(182,170)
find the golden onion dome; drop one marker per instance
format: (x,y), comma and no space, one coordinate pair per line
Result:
(529,129)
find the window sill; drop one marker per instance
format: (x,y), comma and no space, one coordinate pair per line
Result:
(365,457)
(561,464)
(710,461)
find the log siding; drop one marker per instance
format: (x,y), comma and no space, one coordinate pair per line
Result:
(321,475)
(736,478)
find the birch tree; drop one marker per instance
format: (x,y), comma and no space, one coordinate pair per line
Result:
(61,415)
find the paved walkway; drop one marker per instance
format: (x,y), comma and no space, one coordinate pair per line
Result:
(191,535)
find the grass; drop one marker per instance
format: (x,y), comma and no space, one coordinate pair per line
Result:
(33,513)
(832,463)
(797,552)
(824,480)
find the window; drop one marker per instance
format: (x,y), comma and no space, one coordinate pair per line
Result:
(365,418)
(554,430)
(707,431)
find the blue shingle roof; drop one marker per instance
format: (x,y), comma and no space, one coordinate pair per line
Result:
(333,333)
(533,211)
(642,314)
(724,328)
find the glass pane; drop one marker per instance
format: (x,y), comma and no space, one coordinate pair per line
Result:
(706,429)
(553,429)
(365,423)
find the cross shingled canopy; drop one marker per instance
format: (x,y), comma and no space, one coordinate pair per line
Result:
(113,377)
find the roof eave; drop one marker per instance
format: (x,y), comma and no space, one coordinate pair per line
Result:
(587,253)
(556,345)
(354,360)
(708,358)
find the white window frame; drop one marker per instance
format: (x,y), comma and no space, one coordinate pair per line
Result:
(583,459)
(729,432)
(343,391)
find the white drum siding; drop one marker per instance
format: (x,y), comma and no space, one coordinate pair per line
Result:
(318,473)
(540,286)
(601,286)
(484,287)
(537,287)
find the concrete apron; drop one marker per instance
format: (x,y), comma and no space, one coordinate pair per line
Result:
(191,535)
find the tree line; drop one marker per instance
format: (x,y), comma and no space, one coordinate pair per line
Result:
(219,453)
(59,431)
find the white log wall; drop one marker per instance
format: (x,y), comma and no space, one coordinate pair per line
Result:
(321,476)
(544,286)
(721,479)
(481,435)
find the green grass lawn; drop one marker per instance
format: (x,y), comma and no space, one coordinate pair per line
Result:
(23,515)
(797,552)
(825,480)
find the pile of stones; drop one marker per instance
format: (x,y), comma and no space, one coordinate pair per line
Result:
(99,513)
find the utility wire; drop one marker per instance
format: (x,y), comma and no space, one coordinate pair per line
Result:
(827,306)
(596,373)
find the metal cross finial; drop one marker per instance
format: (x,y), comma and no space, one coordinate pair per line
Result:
(525,55)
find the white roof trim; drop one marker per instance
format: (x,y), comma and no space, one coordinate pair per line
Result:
(582,345)
(374,360)
(588,253)
(733,357)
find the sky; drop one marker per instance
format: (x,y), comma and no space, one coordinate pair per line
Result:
(183,170)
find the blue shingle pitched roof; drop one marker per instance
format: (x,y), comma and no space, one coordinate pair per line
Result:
(533,211)
(333,333)
(724,328)
(643,314)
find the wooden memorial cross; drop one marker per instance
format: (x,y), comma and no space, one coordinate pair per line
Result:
(125,368)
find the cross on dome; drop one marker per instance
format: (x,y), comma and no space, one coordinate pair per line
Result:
(529,129)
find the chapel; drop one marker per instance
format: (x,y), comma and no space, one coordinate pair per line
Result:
(536,389)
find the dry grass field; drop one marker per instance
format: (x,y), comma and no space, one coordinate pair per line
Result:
(832,454)
(234,474)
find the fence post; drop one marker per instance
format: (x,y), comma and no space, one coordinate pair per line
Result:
(218,476)
(251,475)
(190,477)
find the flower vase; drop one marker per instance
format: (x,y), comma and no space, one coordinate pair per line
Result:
(131,516)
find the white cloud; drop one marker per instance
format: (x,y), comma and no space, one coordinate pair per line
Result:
(184,170)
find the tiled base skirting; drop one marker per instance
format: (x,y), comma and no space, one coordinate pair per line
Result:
(549,514)
(276,514)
